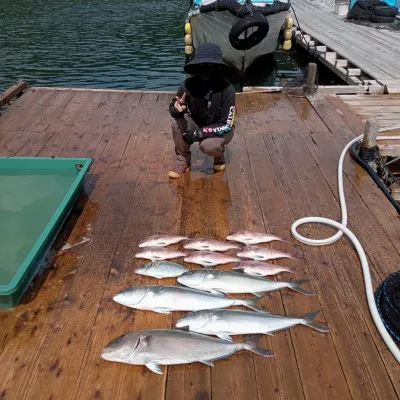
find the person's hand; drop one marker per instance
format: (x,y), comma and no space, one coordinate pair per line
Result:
(180,103)
(196,135)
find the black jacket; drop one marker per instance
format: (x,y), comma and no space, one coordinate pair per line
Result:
(211,105)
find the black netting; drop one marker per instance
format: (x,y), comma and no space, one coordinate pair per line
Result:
(240,10)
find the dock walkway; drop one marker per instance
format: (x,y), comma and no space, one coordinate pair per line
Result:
(352,50)
(281,167)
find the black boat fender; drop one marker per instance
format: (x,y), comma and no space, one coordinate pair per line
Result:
(256,20)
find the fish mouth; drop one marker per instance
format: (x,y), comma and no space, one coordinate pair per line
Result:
(120,298)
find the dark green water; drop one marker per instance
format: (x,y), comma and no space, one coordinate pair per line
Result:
(27,203)
(121,44)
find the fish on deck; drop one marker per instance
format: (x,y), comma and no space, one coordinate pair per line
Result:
(164,299)
(264,253)
(159,253)
(223,323)
(210,259)
(215,281)
(209,245)
(157,347)
(251,237)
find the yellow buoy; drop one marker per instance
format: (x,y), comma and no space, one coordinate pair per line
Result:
(188,50)
(188,40)
(287,45)
(288,23)
(287,34)
(188,28)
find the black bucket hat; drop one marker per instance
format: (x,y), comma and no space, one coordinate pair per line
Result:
(209,54)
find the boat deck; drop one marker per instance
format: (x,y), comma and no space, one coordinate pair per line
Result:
(281,166)
(351,49)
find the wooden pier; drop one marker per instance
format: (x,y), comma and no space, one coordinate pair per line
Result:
(282,166)
(360,55)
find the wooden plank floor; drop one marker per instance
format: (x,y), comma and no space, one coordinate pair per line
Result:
(374,51)
(281,167)
(385,109)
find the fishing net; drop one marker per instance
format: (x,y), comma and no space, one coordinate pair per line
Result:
(387,298)
(299,86)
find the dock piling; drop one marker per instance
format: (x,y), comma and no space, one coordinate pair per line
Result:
(370,134)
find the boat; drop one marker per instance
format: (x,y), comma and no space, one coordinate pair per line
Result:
(244,29)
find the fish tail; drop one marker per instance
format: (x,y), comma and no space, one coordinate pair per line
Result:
(252,304)
(251,344)
(309,321)
(296,286)
(281,239)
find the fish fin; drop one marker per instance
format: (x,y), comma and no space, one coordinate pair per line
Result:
(260,294)
(213,291)
(254,273)
(295,285)
(239,270)
(207,362)
(183,328)
(162,310)
(251,344)
(290,270)
(225,337)
(252,304)
(152,366)
(309,321)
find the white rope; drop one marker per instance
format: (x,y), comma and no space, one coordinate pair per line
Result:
(342,229)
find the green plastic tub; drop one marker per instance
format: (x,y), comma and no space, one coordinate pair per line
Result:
(36,196)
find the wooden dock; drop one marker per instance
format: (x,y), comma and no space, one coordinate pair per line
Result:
(281,167)
(357,53)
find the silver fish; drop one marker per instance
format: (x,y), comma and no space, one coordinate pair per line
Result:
(161,240)
(250,237)
(209,245)
(156,347)
(161,269)
(164,299)
(223,323)
(215,281)
(209,258)
(259,268)
(263,253)
(158,253)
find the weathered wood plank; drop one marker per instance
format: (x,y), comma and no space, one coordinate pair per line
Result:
(99,376)
(320,378)
(281,167)
(356,363)
(384,223)
(334,33)
(11,92)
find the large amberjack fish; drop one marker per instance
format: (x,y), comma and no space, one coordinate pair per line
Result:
(165,299)
(161,240)
(157,347)
(264,253)
(251,238)
(223,323)
(203,244)
(161,269)
(215,281)
(260,268)
(159,253)
(209,258)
